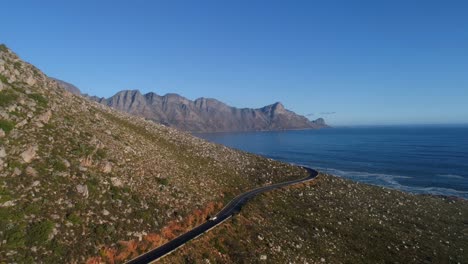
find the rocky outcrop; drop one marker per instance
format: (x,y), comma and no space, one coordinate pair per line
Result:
(207,115)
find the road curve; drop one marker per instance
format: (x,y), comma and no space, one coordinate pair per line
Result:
(229,210)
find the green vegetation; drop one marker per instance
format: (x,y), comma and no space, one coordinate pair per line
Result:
(32,208)
(120,193)
(82,150)
(147,216)
(3,48)
(219,246)
(75,219)
(93,185)
(18,114)
(58,165)
(104,232)
(6,125)
(7,97)
(40,100)
(15,164)
(5,195)
(162,181)
(17,65)
(18,89)
(42,167)
(38,232)
(100,154)
(8,214)
(3,79)
(15,236)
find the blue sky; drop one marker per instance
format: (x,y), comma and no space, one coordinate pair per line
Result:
(351,62)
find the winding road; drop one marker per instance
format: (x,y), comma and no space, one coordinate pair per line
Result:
(228,211)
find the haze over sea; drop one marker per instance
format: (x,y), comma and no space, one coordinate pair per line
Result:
(418,159)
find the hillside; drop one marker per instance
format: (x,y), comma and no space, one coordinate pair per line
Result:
(333,220)
(80,181)
(207,115)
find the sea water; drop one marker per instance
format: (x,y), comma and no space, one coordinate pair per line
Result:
(418,159)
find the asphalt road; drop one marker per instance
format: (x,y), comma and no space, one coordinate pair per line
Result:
(229,210)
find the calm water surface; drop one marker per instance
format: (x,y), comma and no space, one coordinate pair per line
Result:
(423,159)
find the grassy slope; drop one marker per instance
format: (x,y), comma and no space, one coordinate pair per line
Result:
(337,221)
(101,179)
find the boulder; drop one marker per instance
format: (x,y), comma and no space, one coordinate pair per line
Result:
(116,182)
(107,167)
(22,123)
(66,163)
(45,117)
(36,183)
(31,81)
(29,154)
(16,172)
(8,204)
(83,190)
(30,171)
(2,152)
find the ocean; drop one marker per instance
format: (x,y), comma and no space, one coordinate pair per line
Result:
(417,159)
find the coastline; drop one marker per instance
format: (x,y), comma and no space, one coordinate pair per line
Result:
(401,158)
(194,133)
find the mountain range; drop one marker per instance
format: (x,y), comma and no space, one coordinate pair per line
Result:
(202,114)
(205,114)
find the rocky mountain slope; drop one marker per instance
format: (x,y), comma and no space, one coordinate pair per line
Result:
(207,115)
(81,182)
(333,220)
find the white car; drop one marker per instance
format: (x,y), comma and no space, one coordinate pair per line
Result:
(213,218)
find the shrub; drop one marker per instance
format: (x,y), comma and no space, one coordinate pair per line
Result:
(40,100)
(6,125)
(93,185)
(58,165)
(17,65)
(38,233)
(73,218)
(101,154)
(3,48)
(5,195)
(82,150)
(162,181)
(15,237)
(7,97)
(3,79)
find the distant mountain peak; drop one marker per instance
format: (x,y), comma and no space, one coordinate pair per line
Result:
(279,107)
(130,91)
(204,114)
(207,114)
